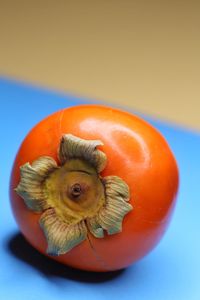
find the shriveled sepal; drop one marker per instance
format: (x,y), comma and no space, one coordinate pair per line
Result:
(75,147)
(111,215)
(115,186)
(61,237)
(30,187)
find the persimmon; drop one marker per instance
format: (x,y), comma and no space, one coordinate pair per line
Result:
(94,187)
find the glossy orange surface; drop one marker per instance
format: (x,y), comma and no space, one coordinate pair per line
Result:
(137,153)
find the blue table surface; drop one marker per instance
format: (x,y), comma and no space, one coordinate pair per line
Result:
(171,271)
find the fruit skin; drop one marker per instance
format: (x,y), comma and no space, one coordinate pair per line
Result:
(137,153)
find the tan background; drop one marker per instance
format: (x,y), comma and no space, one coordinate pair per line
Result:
(143,54)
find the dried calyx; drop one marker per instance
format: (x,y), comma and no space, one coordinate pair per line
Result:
(72,197)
